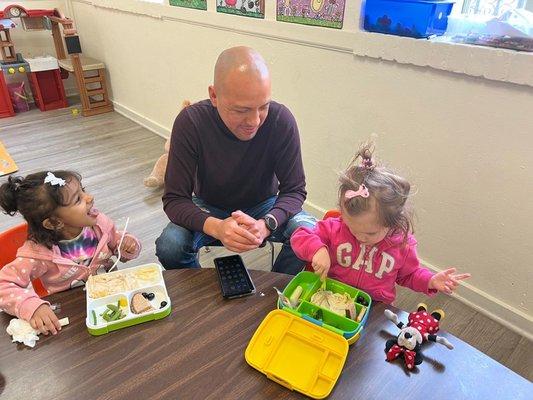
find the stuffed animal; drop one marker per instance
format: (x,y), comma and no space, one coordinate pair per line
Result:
(156,179)
(421,327)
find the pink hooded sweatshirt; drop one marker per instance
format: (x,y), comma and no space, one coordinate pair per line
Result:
(375,270)
(57,273)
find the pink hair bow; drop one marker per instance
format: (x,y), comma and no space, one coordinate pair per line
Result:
(362,191)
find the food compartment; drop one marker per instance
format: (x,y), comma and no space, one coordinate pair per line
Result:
(322,387)
(301,287)
(308,354)
(146,275)
(362,300)
(341,324)
(339,287)
(148,300)
(108,310)
(310,309)
(335,299)
(333,286)
(332,365)
(122,281)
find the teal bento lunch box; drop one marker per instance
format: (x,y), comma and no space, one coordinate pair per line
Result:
(310,283)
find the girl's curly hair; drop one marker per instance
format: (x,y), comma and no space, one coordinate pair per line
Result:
(388,192)
(36,201)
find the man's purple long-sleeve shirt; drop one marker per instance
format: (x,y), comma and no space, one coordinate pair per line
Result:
(207,159)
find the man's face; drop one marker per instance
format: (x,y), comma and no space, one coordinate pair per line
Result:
(242,104)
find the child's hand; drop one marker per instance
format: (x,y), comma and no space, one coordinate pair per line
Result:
(321,262)
(446,281)
(45,321)
(129,246)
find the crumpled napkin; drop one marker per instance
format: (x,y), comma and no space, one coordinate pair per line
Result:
(22,332)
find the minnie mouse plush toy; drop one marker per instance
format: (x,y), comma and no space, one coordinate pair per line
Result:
(421,327)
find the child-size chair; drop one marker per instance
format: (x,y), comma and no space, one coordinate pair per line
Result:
(329,214)
(332,214)
(10,241)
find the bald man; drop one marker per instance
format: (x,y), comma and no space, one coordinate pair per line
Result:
(234,173)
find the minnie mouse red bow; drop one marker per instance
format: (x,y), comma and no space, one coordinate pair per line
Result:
(409,356)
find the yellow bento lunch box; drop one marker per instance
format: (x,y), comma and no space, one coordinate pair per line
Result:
(304,346)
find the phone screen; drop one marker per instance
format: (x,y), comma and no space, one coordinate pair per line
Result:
(233,277)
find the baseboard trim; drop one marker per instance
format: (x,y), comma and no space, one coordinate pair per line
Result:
(142,120)
(479,300)
(495,309)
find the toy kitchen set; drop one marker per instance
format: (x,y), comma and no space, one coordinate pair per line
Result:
(45,74)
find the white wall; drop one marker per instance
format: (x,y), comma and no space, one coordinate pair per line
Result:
(465,142)
(36,43)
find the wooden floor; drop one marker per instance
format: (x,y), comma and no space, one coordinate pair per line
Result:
(113,155)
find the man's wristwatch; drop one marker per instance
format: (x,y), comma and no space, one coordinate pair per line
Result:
(271,222)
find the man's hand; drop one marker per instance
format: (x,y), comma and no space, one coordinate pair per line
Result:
(234,237)
(255,226)
(45,321)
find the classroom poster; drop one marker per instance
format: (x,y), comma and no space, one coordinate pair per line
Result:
(328,13)
(247,8)
(197,4)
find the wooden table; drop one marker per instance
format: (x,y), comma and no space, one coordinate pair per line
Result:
(197,352)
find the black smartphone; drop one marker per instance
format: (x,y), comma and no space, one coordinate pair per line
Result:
(233,276)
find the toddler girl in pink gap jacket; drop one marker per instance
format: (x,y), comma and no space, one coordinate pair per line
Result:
(68,240)
(371,246)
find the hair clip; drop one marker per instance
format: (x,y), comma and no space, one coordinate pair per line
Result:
(367,163)
(362,191)
(53,180)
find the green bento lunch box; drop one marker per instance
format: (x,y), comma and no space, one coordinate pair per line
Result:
(111,295)
(342,325)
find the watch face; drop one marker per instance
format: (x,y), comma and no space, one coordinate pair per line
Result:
(270,222)
(15,12)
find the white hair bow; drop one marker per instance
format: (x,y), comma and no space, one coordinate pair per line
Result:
(53,180)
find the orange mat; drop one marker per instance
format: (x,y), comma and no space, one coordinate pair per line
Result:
(7,165)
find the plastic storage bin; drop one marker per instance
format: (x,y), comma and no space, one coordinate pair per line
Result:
(414,18)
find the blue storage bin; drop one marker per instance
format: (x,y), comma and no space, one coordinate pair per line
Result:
(414,18)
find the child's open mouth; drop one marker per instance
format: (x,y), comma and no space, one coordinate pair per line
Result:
(93,212)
